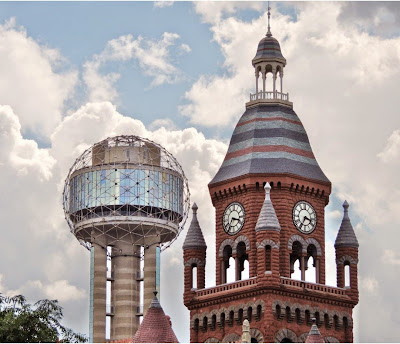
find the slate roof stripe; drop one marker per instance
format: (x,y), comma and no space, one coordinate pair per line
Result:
(275,148)
(260,119)
(267,165)
(269,125)
(270,155)
(269,141)
(268,133)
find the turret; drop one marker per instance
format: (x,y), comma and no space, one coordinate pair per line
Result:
(346,246)
(268,233)
(194,257)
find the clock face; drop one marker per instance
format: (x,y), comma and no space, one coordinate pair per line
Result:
(304,217)
(233,219)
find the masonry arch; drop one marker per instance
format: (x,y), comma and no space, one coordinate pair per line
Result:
(285,336)
(256,336)
(231,338)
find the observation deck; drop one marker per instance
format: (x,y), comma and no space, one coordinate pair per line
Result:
(269,97)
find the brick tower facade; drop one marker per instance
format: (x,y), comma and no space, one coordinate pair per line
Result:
(270,196)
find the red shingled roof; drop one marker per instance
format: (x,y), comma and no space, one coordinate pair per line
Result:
(155,327)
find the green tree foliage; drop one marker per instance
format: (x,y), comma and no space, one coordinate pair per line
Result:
(23,323)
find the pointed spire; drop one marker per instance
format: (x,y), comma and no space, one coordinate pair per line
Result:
(346,236)
(267,220)
(269,34)
(155,303)
(314,336)
(156,326)
(194,237)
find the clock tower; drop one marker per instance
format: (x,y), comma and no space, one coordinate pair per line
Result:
(270,196)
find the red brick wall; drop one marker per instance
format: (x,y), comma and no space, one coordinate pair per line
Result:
(269,324)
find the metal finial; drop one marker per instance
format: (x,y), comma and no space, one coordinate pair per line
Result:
(269,34)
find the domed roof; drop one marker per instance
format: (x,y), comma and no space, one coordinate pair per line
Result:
(269,139)
(269,49)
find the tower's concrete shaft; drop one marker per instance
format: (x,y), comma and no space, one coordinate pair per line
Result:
(125,292)
(150,267)
(99,293)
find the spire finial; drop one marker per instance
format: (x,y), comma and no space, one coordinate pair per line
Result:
(269,34)
(267,189)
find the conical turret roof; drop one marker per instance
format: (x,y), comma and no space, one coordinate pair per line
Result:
(346,236)
(314,336)
(194,237)
(269,139)
(155,327)
(267,220)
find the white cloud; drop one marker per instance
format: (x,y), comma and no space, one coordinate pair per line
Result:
(162,4)
(335,214)
(391,257)
(28,73)
(391,152)
(21,154)
(153,56)
(369,284)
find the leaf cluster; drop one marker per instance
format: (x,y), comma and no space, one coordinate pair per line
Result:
(23,323)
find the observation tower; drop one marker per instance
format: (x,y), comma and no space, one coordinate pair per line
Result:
(125,199)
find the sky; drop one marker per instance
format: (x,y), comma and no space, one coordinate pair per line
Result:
(179,73)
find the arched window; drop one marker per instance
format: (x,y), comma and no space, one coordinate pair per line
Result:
(196,325)
(298,315)
(347,274)
(226,263)
(249,313)
(268,259)
(278,312)
(242,257)
(194,276)
(240,316)
(230,271)
(205,321)
(311,264)
(308,317)
(213,321)
(259,311)
(295,257)
(222,320)
(231,318)
(311,270)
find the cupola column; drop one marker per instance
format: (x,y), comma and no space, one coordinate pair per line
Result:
(264,76)
(274,82)
(257,76)
(281,77)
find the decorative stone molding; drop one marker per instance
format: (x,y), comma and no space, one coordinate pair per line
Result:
(285,333)
(312,241)
(219,318)
(211,340)
(257,334)
(346,258)
(267,242)
(196,261)
(226,242)
(331,339)
(298,238)
(231,338)
(297,313)
(241,238)
(302,338)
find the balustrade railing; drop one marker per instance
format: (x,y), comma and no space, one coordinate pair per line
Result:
(312,286)
(227,286)
(269,95)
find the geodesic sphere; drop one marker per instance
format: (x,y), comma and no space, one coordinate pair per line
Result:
(126,190)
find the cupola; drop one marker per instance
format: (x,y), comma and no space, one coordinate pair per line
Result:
(269,60)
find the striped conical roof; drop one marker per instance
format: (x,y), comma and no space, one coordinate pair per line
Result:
(269,139)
